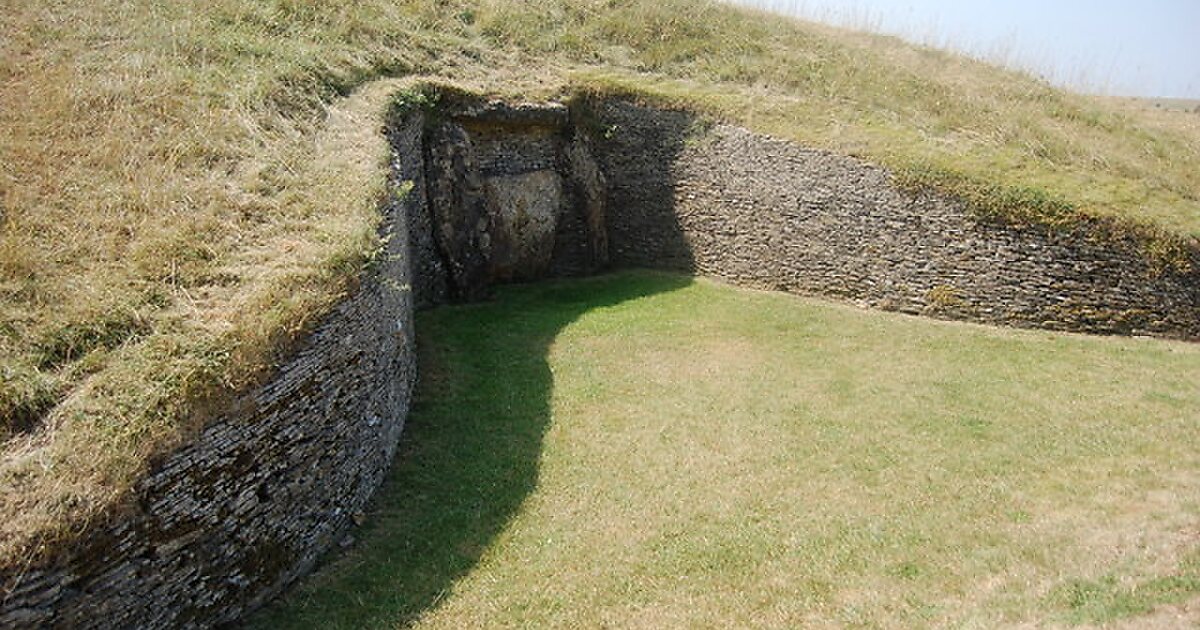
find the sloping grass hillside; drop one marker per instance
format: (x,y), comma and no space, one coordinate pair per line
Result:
(644,451)
(185,188)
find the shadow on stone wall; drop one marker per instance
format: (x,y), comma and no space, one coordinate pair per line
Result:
(640,156)
(508,193)
(760,212)
(468,459)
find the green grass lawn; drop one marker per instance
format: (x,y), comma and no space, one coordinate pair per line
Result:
(649,450)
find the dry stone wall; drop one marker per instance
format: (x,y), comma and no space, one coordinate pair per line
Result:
(231,518)
(762,212)
(496,193)
(227,521)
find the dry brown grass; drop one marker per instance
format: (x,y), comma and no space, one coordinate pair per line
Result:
(184,190)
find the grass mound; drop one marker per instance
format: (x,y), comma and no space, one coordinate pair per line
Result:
(644,450)
(186,188)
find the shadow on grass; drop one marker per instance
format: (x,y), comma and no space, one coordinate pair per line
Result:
(469,456)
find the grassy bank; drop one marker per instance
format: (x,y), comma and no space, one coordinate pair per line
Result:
(187,188)
(641,450)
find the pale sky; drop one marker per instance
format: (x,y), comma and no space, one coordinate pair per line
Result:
(1119,47)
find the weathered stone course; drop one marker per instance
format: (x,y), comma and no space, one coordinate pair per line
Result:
(514,194)
(766,213)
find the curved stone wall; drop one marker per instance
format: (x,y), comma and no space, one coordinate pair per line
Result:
(227,521)
(499,193)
